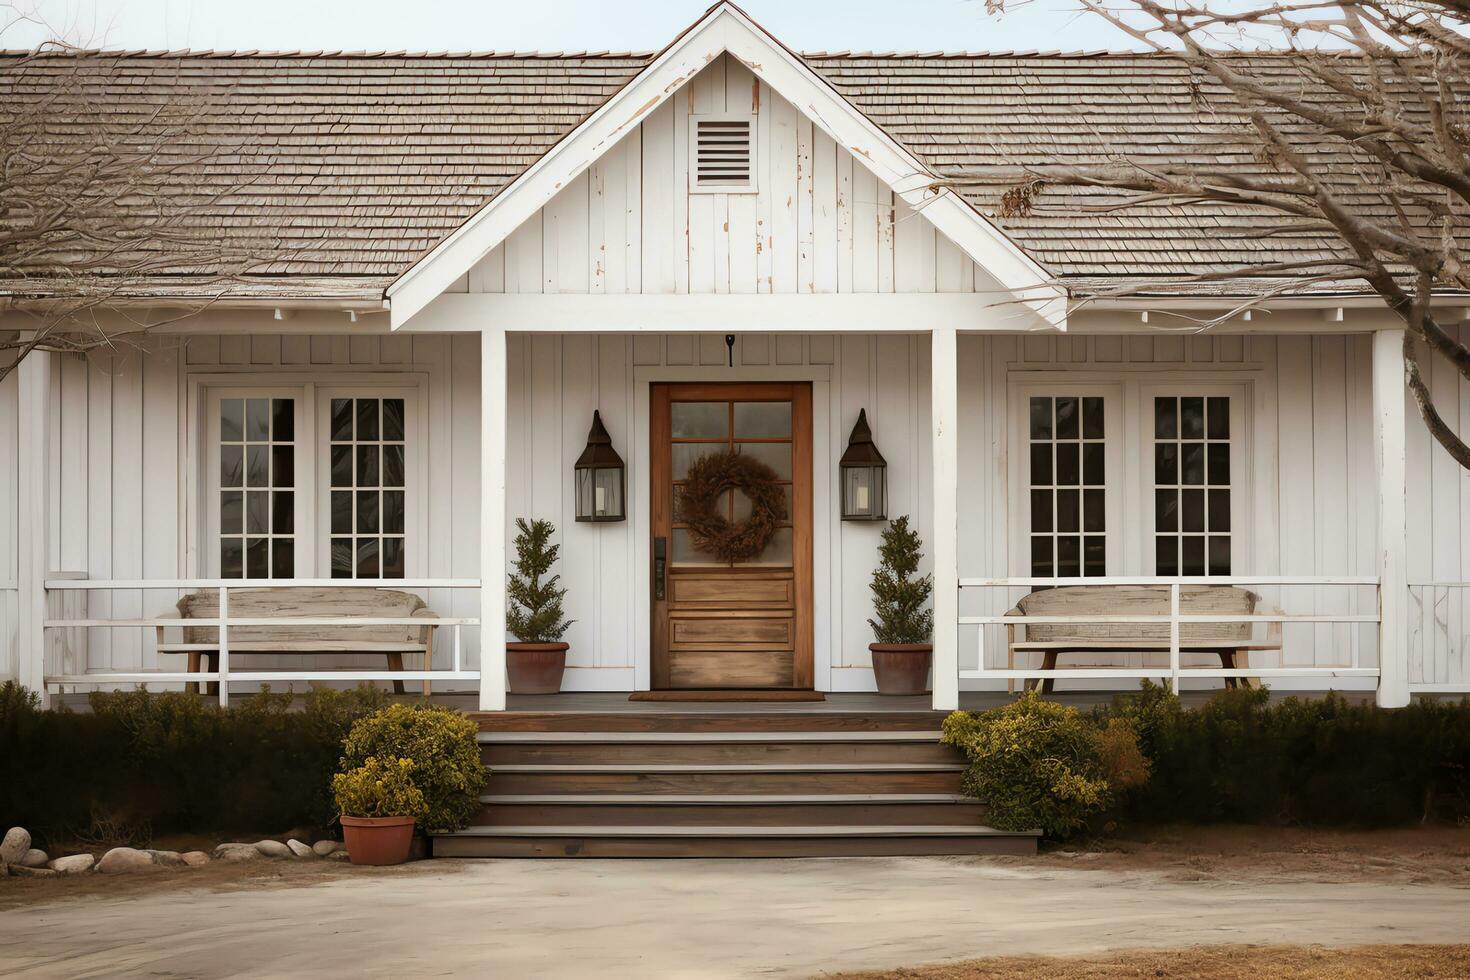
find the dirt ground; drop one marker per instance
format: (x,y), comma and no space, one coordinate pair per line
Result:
(1174,903)
(1213,962)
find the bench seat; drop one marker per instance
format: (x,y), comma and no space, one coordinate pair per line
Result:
(1231,642)
(201,643)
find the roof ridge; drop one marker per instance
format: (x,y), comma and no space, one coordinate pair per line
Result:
(227,53)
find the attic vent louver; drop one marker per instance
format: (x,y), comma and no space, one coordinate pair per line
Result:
(722,153)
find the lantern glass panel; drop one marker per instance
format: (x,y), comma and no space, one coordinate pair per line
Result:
(863,492)
(600,494)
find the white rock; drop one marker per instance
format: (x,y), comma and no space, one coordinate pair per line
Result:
(194,859)
(34,858)
(168,858)
(236,852)
(25,872)
(324,847)
(73,864)
(121,860)
(272,849)
(14,846)
(299,849)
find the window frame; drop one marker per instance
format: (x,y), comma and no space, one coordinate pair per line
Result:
(1240,479)
(415,470)
(304,486)
(1115,480)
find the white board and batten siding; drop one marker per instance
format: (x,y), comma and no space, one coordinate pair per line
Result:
(124,454)
(817,222)
(9,525)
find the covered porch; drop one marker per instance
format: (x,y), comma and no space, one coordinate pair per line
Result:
(953,410)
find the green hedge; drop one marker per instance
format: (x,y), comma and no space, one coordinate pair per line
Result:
(1323,761)
(1239,758)
(142,764)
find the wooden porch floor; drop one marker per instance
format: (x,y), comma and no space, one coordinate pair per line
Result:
(613,701)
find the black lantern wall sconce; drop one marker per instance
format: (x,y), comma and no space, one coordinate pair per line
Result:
(601,479)
(864,474)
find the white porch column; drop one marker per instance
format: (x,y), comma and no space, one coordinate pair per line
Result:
(1393,562)
(492,518)
(944,411)
(34,388)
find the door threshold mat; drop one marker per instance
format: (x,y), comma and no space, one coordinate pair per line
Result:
(727,696)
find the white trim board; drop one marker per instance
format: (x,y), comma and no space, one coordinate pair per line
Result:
(727,29)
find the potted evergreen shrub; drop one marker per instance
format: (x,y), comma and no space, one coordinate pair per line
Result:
(536,661)
(379,804)
(903,625)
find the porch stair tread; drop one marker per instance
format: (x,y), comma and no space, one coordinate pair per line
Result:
(791,830)
(728,768)
(654,799)
(636,738)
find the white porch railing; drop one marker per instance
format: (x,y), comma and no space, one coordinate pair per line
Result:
(222,675)
(1439,637)
(1174,670)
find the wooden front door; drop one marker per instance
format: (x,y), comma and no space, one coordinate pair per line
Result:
(723,624)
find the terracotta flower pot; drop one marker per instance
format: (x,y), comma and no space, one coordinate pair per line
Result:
(535,668)
(902,668)
(378,840)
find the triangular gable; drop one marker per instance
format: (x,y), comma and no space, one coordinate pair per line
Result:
(727,29)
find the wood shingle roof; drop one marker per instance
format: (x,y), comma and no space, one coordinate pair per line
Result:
(352,165)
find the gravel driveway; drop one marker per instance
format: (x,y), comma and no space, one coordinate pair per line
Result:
(694,919)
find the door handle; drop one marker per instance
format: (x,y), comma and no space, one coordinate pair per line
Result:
(660,567)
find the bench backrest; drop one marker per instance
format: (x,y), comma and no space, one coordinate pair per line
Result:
(272,602)
(1137,600)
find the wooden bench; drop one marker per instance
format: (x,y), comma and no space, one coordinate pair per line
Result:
(1231,642)
(202,642)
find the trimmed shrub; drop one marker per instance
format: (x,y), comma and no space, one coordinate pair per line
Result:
(1040,764)
(445,753)
(142,764)
(379,788)
(1321,761)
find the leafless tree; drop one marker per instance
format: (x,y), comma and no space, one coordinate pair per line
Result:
(100,194)
(1368,142)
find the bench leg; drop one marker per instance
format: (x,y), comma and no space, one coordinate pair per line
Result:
(395,662)
(211,664)
(1049,662)
(193,687)
(1227,661)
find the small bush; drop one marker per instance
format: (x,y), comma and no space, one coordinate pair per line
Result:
(379,788)
(445,754)
(1041,765)
(900,593)
(533,612)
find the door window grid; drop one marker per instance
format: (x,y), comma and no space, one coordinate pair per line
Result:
(257,495)
(1192,485)
(1067,486)
(368,487)
(760,428)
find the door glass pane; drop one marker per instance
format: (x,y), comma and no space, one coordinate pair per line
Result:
(369,453)
(776,455)
(1068,480)
(700,420)
(777,550)
(762,420)
(684,552)
(685,453)
(257,450)
(1192,485)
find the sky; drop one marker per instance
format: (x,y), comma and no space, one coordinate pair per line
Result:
(554,25)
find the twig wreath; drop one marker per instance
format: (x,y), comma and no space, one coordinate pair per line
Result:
(699,505)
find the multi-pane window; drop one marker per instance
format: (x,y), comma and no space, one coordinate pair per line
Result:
(1192,485)
(257,487)
(1068,474)
(367,487)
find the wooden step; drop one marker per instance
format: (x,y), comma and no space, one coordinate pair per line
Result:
(800,778)
(528,748)
(707,721)
(773,810)
(830,840)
